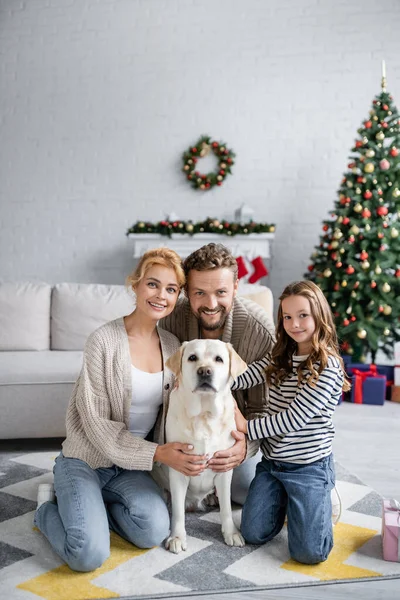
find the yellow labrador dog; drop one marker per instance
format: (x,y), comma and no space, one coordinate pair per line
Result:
(201,413)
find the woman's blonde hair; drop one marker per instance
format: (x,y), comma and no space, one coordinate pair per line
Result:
(157,256)
(324,342)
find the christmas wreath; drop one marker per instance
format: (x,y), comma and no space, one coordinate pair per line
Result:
(203,147)
(208,226)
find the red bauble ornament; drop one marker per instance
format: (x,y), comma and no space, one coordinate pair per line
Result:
(397,274)
(353,318)
(367,195)
(336,287)
(338,265)
(366,213)
(346,322)
(393,151)
(359,144)
(194,150)
(381,235)
(368,124)
(215,144)
(373,284)
(360,179)
(222,172)
(346,220)
(382,211)
(364,255)
(325,227)
(352,239)
(334,256)
(229,161)
(384,125)
(385,225)
(380,309)
(385,107)
(219,182)
(310,268)
(350,270)
(351,165)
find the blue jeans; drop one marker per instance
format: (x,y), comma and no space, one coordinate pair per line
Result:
(301,491)
(90,502)
(242,477)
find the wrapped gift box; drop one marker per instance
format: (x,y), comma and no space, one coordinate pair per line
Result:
(397,363)
(391,530)
(395,393)
(387,370)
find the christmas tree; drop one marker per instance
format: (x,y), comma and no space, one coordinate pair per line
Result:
(357,263)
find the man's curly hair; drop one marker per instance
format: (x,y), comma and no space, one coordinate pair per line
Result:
(211,256)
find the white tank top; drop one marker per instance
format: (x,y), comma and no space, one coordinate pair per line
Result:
(147,397)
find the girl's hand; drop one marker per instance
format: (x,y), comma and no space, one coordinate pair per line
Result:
(176,455)
(241,422)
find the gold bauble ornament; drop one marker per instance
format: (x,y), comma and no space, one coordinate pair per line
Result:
(386,287)
(223,166)
(202,187)
(365,140)
(334,244)
(386,331)
(355,230)
(337,234)
(357,207)
(374,118)
(362,334)
(353,294)
(369,168)
(370,153)
(199,180)
(378,270)
(394,232)
(344,283)
(141,224)
(387,310)
(189,227)
(340,219)
(327,273)
(349,184)
(219,177)
(365,265)
(358,190)
(380,136)
(216,223)
(367,227)
(396,193)
(333,304)
(186,168)
(341,250)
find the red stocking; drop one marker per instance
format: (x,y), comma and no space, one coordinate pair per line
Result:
(242,269)
(260,270)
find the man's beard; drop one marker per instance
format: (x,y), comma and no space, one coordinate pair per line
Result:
(206,326)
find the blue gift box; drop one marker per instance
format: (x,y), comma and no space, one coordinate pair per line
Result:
(386,370)
(373,390)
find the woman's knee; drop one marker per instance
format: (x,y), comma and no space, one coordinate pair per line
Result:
(86,554)
(146,528)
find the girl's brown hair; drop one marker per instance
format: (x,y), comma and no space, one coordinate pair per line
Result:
(157,256)
(324,342)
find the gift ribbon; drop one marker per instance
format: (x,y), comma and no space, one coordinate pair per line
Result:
(394,505)
(360,377)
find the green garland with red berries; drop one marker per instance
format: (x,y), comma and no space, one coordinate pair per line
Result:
(208,226)
(203,147)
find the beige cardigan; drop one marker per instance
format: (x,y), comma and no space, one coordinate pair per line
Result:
(251,333)
(98,412)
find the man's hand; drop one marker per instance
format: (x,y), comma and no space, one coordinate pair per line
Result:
(225,460)
(175,455)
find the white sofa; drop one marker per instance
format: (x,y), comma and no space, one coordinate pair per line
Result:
(43,329)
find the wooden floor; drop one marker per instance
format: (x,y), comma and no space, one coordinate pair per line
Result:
(367,443)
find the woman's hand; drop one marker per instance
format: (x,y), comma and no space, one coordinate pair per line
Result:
(241,422)
(176,455)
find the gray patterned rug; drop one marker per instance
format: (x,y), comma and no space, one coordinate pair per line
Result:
(29,568)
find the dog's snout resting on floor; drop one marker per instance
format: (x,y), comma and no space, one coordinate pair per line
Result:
(201,413)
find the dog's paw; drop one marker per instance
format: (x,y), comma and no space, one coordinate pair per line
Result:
(234,539)
(176,544)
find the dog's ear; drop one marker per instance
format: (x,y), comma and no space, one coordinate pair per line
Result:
(238,366)
(174,362)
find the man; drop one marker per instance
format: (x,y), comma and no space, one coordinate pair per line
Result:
(211,310)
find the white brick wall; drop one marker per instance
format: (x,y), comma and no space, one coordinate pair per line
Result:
(100,97)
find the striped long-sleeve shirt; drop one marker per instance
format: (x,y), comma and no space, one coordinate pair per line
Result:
(299,426)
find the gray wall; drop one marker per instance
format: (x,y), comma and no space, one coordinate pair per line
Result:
(100,97)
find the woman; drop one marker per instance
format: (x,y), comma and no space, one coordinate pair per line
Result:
(115,429)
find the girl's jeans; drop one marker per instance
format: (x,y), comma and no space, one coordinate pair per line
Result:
(90,502)
(303,492)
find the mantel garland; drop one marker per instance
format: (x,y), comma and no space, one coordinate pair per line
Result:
(203,147)
(223,227)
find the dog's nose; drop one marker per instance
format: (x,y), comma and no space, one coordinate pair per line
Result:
(204,371)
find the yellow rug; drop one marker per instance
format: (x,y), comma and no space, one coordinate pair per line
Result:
(29,568)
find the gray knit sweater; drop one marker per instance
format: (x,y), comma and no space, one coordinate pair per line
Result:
(251,333)
(98,412)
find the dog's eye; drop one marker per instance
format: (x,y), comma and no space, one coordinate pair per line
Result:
(219,359)
(192,357)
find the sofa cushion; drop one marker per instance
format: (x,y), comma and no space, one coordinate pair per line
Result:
(77,309)
(25,316)
(260,294)
(30,368)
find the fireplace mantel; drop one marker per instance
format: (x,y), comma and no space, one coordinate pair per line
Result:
(252,245)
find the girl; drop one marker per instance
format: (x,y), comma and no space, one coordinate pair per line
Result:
(295,477)
(115,429)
